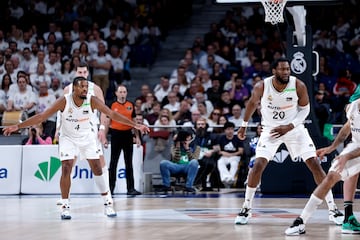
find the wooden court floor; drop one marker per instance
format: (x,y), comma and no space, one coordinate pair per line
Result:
(173,217)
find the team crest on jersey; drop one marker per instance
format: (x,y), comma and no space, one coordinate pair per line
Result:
(86,112)
(289,99)
(70,111)
(270,98)
(129,108)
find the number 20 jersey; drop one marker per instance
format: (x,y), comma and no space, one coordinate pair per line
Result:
(278,108)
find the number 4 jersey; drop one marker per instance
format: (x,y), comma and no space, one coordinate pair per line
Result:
(76,121)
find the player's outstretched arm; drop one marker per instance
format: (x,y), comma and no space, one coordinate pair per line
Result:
(97,104)
(59,104)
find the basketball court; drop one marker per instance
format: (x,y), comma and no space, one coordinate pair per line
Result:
(175,216)
(202,216)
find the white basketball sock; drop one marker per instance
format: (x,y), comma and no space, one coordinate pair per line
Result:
(310,207)
(100,183)
(249,196)
(105,175)
(329,198)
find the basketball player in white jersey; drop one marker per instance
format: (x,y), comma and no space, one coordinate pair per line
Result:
(345,167)
(284,107)
(77,135)
(82,70)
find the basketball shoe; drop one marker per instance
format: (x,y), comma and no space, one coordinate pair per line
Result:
(297,228)
(109,208)
(352,226)
(243,216)
(336,216)
(65,212)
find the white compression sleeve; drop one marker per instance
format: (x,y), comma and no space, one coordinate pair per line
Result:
(301,115)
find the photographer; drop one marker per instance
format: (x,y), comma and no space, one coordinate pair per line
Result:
(36,136)
(183,161)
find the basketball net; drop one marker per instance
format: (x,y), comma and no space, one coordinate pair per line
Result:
(274,10)
(274,14)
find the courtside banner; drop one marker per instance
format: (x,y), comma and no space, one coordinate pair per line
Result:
(10,169)
(41,171)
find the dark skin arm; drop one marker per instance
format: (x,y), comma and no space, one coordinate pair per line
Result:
(251,107)
(59,105)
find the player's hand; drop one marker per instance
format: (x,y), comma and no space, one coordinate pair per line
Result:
(280,130)
(102,137)
(321,152)
(10,129)
(142,128)
(241,133)
(341,161)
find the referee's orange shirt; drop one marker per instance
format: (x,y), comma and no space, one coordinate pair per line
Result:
(126,109)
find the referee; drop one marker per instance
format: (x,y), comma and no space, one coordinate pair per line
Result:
(122,139)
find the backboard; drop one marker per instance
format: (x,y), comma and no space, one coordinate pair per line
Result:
(274,13)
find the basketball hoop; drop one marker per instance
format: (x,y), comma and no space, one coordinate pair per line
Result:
(274,10)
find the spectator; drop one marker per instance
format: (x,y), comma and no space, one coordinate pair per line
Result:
(101,64)
(146,107)
(117,65)
(5,88)
(162,89)
(37,137)
(236,117)
(145,89)
(67,73)
(161,133)
(214,93)
(183,161)
(23,99)
(174,104)
(221,122)
(184,114)
(44,101)
(40,76)
(56,88)
(154,115)
(231,149)
(208,155)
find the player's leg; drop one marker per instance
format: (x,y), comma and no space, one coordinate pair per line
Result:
(65,183)
(318,173)
(299,143)
(68,150)
(264,152)
(103,187)
(298,226)
(351,168)
(253,181)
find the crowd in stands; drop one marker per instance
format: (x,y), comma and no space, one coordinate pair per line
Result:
(42,41)
(217,73)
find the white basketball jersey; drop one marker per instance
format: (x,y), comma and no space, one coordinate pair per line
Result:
(76,121)
(278,108)
(91,91)
(353,114)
